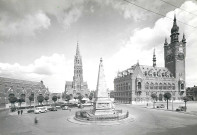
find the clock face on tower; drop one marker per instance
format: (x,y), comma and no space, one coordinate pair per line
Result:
(180,56)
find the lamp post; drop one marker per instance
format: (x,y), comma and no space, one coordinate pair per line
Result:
(172,102)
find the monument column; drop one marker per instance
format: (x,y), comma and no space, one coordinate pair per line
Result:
(103,105)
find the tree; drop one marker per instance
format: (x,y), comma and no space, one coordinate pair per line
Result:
(40,98)
(54,98)
(31,98)
(46,98)
(154,97)
(80,97)
(185,99)
(12,98)
(167,96)
(67,98)
(91,95)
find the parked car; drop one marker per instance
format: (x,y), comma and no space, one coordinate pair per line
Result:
(65,108)
(58,107)
(40,110)
(161,106)
(181,108)
(52,108)
(30,111)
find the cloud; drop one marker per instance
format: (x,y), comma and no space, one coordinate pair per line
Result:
(24,27)
(50,69)
(142,42)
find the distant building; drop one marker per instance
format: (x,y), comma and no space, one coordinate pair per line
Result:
(77,86)
(18,87)
(138,82)
(191,92)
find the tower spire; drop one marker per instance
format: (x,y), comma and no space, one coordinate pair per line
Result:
(154,58)
(174,31)
(77,50)
(184,40)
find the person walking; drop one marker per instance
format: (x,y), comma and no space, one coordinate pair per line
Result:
(18,111)
(21,111)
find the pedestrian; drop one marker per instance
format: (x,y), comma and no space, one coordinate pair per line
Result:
(21,111)
(18,111)
(35,120)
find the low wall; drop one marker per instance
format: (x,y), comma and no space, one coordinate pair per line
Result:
(4,112)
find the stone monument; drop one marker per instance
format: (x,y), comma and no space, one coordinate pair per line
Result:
(103,105)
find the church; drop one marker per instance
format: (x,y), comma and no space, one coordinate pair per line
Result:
(77,86)
(138,82)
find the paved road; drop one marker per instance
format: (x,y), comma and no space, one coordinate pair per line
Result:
(147,122)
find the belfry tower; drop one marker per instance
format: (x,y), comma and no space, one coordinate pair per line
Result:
(78,71)
(174,55)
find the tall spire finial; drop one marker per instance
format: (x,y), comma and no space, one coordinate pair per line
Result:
(166,42)
(184,40)
(77,51)
(154,58)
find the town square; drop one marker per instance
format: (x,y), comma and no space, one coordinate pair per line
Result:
(98,67)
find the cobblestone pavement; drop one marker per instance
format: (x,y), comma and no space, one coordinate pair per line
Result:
(147,122)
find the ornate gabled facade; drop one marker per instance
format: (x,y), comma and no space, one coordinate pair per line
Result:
(77,86)
(20,88)
(139,82)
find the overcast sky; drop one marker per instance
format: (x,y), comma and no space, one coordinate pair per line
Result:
(38,38)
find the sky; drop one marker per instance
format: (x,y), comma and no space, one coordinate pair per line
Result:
(38,39)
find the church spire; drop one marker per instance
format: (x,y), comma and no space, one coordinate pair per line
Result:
(184,40)
(174,31)
(77,50)
(154,58)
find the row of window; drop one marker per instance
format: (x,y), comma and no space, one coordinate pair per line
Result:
(157,74)
(160,86)
(123,94)
(123,86)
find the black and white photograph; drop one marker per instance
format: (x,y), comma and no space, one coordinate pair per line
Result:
(98,67)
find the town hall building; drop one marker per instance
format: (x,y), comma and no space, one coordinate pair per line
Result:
(138,82)
(77,86)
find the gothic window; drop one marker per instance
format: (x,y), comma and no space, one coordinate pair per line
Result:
(169,86)
(156,86)
(154,74)
(151,86)
(126,86)
(139,85)
(145,73)
(147,85)
(182,86)
(160,86)
(173,86)
(164,86)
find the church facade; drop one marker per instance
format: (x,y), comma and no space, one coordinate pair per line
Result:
(138,82)
(77,86)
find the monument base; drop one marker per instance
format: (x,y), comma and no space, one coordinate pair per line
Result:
(103,106)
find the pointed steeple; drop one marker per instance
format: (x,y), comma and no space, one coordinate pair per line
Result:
(175,28)
(184,40)
(101,89)
(174,32)
(166,42)
(154,58)
(77,50)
